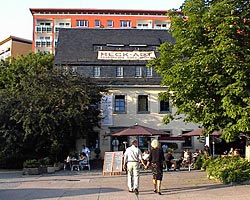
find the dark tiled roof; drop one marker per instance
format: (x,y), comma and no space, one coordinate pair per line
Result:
(75,45)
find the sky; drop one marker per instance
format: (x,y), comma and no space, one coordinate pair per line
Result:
(16,18)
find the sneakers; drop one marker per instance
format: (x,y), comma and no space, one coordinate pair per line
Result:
(136,191)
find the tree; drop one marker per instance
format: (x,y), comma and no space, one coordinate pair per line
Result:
(207,69)
(44,110)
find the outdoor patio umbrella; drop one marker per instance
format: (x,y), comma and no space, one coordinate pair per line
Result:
(138,130)
(198,132)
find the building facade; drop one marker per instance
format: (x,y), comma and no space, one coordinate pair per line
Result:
(48,21)
(117,58)
(14,46)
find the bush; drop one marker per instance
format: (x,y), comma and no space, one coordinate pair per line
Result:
(229,169)
(31,163)
(205,162)
(198,163)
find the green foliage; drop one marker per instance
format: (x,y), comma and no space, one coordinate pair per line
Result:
(206,161)
(198,162)
(44,110)
(31,163)
(207,68)
(229,169)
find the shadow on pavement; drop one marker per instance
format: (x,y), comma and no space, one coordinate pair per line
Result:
(39,193)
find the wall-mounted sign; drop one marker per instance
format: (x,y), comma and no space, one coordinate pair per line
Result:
(126,55)
(106,107)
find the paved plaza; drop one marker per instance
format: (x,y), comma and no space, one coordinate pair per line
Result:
(93,185)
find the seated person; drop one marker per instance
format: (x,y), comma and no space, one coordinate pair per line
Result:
(170,161)
(187,159)
(67,162)
(86,150)
(145,156)
(82,159)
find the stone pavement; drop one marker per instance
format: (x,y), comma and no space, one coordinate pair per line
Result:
(94,185)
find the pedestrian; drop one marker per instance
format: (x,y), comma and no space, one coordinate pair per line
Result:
(157,161)
(132,159)
(115,144)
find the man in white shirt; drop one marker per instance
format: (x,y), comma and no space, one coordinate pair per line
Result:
(86,150)
(132,157)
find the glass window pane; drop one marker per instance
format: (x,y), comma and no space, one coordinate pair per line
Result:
(119,103)
(142,103)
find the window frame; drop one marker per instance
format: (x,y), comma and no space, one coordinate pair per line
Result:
(119,71)
(82,23)
(110,25)
(96,71)
(120,103)
(149,71)
(125,24)
(97,23)
(161,107)
(138,72)
(140,109)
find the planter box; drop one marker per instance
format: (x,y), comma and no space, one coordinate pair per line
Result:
(57,168)
(32,171)
(43,170)
(51,170)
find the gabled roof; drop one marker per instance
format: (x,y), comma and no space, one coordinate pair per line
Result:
(75,45)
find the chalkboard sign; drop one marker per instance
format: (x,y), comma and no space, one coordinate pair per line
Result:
(113,162)
(108,162)
(117,161)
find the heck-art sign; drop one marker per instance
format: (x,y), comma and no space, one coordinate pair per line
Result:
(126,55)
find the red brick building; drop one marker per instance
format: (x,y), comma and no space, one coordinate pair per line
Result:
(47,21)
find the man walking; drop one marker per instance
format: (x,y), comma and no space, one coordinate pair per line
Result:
(132,157)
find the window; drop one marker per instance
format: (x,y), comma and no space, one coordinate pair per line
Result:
(143,104)
(82,23)
(164,106)
(125,24)
(119,71)
(38,43)
(96,72)
(188,140)
(97,48)
(110,24)
(137,71)
(97,23)
(119,104)
(143,26)
(163,25)
(148,71)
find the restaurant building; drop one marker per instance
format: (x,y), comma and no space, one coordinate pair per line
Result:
(117,58)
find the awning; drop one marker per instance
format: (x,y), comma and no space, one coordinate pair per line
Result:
(138,130)
(199,131)
(196,132)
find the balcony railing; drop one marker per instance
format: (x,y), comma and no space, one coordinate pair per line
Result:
(44,29)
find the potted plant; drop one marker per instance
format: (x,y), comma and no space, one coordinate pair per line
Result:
(31,167)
